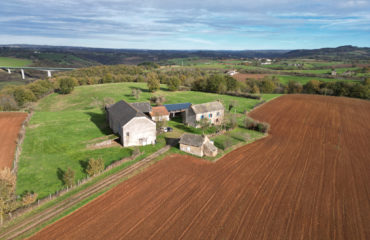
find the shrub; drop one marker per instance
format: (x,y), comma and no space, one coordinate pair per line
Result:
(69,177)
(95,166)
(66,85)
(23,95)
(7,103)
(263,127)
(29,198)
(250,123)
(228,142)
(267,86)
(158,100)
(135,92)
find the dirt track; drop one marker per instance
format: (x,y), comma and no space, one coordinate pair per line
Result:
(310,179)
(10,123)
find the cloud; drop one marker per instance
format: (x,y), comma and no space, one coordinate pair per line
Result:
(195,23)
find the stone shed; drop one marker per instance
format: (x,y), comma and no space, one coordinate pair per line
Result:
(198,145)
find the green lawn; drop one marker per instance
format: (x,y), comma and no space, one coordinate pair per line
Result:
(236,137)
(14,62)
(303,80)
(63,125)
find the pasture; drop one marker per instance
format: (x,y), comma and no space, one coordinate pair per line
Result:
(14,62)
(63,126)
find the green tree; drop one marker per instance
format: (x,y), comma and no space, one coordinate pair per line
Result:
(66,85)
(294,87)
(267,86)
(255,89)
(232,84)
(312,87)
(153,82)
(23,95)
(173,83)
(107,78)
(69,177)
(95,166)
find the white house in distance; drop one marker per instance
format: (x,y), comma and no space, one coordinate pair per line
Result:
(213,111)
(231,72)
(132,125)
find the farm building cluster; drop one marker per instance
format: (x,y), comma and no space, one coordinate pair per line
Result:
(135,123)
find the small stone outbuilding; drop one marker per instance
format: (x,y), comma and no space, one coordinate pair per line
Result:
(160,114)
(198,145)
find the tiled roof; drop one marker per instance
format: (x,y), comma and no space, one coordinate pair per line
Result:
(142,106)
(122,112)
(159,111)
(207,107)
(192,139)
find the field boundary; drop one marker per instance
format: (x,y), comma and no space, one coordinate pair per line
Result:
(20,139)
(18,229)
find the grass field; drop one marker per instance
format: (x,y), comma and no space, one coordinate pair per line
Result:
(286,78)
(14,62)
(63,125)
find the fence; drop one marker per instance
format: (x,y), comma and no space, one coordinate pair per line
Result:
(61,192)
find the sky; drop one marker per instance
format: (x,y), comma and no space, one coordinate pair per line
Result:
(189,24)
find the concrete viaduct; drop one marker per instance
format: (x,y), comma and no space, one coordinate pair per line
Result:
(48,70)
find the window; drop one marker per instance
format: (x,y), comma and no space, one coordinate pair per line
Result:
(218,113)
(201,116)
(210,115)
(127,134)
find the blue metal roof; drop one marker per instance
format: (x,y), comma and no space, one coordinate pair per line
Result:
(177,106)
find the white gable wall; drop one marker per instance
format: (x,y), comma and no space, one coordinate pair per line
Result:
(139,131)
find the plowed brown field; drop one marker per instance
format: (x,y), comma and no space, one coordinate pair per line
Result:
(309,179)
(244,76)
(10,123)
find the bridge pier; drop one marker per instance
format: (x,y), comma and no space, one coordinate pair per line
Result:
(23,76)
(9,71)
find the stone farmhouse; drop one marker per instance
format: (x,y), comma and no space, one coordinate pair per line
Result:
(212,111)
(160,113)
(132,125)
(198,145)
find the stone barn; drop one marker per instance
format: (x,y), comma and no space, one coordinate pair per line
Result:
(132,125)
(198,145)
(213,111)
(177,109)
(142,106)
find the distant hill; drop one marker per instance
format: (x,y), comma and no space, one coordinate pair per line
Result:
(56,56)
(85,57)
(340,53)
